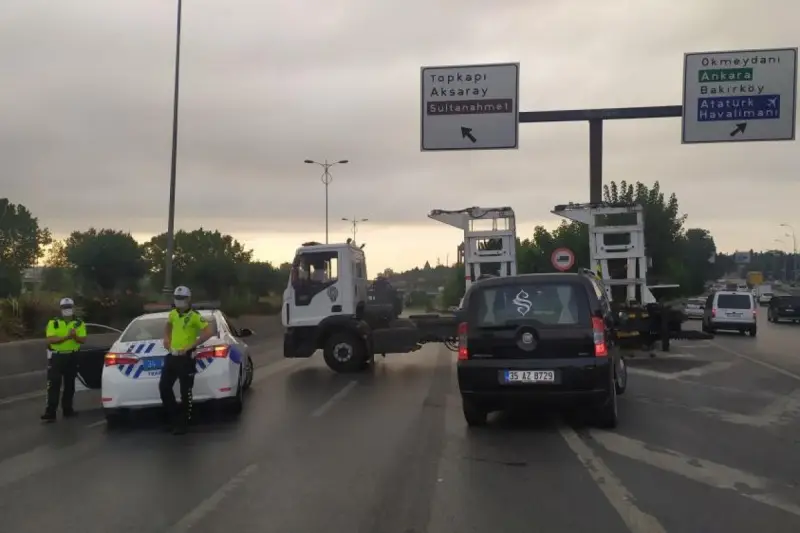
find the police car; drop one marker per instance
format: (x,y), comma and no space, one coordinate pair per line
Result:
(132,366)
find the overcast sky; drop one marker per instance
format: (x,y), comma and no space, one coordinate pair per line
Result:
(85,126)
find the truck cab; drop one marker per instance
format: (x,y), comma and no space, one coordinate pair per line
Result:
(326,280)
(326,307)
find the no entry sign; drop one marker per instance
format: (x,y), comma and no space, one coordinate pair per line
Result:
(562,259)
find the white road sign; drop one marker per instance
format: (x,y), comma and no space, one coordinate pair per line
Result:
(562,259)
(749,95)
(470,107)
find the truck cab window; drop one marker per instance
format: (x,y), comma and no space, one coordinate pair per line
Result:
(312,273)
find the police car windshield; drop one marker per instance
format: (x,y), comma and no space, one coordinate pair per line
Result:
(147,328)
(547,303)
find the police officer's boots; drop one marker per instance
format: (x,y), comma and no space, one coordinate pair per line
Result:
(49,416)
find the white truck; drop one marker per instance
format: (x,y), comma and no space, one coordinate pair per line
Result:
(326,307)
(764,294)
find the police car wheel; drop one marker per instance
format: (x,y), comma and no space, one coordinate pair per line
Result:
(235,405)
(115,418)
(345,353)
(249,371)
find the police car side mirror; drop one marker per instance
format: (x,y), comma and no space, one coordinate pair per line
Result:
(245,332)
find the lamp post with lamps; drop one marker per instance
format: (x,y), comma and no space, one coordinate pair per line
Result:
(355,222)
(326,179)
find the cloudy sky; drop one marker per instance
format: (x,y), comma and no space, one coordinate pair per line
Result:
(85,126)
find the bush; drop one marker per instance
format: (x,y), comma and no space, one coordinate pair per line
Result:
(112,311)
(26,316)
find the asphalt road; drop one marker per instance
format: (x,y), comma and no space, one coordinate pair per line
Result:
(708,442)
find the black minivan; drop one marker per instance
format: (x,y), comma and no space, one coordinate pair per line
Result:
(539,338)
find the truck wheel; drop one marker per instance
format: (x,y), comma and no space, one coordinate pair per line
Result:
(474,412)
(345,353)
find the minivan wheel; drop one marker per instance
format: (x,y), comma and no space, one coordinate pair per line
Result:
(753,332)
(621,377)
(474,413)
(607,416)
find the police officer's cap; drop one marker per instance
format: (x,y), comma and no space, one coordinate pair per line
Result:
(66,303)
(182,292)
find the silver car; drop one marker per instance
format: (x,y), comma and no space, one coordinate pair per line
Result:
(695,307)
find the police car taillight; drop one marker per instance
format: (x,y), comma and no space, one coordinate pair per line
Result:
(219,352)
(600,348)
(463,352)
(114,359)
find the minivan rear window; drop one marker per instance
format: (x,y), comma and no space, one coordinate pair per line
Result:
(547,303)
(733,301)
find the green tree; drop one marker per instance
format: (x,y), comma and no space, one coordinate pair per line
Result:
(698,249)
(22,242)
(261,278)
(202,258)
(105,260)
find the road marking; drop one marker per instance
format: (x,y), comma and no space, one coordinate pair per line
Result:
(709,473)
(96,424)
(324,408)
(212,502)
(263,372)
(615,492)
(22,397)
(758,361)
(704,370)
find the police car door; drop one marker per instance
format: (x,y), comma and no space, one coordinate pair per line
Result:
(91,356)
(315,292)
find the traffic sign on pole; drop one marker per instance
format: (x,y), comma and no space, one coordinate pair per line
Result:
(562,259)
(470,107)
(745,95)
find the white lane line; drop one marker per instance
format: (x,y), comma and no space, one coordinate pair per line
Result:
(263,372)
(96,424)
(615,492)
(212,502)
(758,361)
(325,407)
(700,470)
(711,368)
(22,397)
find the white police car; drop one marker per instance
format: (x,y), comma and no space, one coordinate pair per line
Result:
(132,366)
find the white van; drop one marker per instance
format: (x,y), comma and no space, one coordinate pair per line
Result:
(730,310)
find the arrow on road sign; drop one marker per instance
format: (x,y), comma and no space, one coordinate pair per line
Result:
(739,128)
(466,133)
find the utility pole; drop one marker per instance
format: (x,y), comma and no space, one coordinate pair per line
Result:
(355,222)
(326,179)
(174,165)
(794,249)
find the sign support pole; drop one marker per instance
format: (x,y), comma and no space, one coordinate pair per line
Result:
(596,117)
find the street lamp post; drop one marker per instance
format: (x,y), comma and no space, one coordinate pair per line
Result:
(326,179)
(794,249)
(174,164)
(355,222)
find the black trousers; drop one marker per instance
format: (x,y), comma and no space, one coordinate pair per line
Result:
(61,367)
(179,368)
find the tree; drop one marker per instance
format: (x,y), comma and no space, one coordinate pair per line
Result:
(202,258)
(21,244)
(698,250)
(107,260)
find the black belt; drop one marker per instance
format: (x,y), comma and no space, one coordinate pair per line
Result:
(65,353)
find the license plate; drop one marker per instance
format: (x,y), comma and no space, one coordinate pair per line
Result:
(735,314)
(153,363)
(529,376)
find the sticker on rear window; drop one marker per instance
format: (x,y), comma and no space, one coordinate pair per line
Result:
(523,304)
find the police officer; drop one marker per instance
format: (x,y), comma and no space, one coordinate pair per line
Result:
(186,329)
(65,335)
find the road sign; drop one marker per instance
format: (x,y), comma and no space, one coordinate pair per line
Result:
(749,95)
(470,107)
(562,259)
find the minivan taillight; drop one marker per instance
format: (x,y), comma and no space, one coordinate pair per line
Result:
(463,352)
(713,312)
(600,348)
